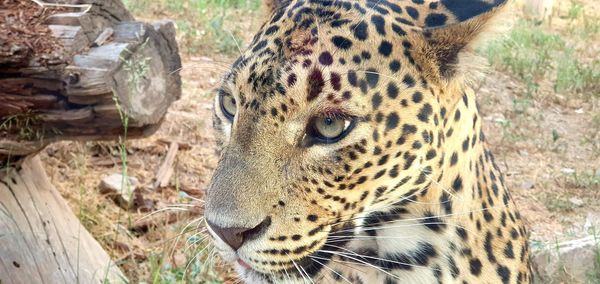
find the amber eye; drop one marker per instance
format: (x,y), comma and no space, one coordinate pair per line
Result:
(327,130)
(228,106)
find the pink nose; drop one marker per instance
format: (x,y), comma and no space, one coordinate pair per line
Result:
(236,236)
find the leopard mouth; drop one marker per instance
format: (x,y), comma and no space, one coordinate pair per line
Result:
(311,265)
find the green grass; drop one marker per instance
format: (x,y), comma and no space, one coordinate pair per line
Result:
(585,179)
(526,51)
(533,55)
(202,24)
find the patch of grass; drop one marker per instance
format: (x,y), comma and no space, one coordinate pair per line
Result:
(531,54)
(581,23)
(575,10)
(509,133)
(575,76)
(526,51)
(585,179)
(212,24)
(198,268)
(557,204)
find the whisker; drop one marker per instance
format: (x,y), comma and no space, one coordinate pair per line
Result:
(362,261)
(297,268)
(325,266)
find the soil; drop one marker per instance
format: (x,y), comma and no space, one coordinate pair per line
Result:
(538,153)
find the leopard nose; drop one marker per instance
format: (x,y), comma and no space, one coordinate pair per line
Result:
(236,236)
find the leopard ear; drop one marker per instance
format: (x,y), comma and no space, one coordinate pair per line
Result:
(449,39)
(272,5)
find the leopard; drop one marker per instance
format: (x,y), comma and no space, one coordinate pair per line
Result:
(351,149)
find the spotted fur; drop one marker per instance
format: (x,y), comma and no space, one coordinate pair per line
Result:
(410,195)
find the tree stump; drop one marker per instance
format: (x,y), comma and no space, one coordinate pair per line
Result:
(85,70)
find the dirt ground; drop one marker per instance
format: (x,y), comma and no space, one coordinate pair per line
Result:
(541,149)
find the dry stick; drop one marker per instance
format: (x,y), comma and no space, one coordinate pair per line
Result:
(165,171)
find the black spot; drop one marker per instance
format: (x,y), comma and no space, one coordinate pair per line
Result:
(259,46)
(376,101)
(446,202)
(315,84)
(408,129)
(454,159)
(291,80)
(392,90)
(393,172)
(508,250)
(385,48)
(341,42)
(408,81)
(424,113)
(352,78)
(489,248)
(462,233)
(504,273)
(361,30)
(383,160)
(417,97)
(391,121)
(271,30)
(336,81)
(430,154)
(312,218)
(379,23)
(372,77)
(395,66)
(465,145)
(325,58)
(475,266)
(457,184)
(435,20)
(412,12)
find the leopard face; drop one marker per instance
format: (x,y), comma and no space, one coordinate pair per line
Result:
(336,119)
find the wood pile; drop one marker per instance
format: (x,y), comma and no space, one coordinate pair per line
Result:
(71,70)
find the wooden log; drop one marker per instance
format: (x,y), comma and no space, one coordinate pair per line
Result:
(108,67)
(41,239)
(88,71)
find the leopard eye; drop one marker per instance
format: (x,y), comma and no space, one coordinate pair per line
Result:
(327,130)
(228,106)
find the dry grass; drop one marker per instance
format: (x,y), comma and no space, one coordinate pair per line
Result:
(543,130)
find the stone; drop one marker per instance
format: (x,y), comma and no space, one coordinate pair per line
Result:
(570,262)
(120,188)
(577,202)
(527,185)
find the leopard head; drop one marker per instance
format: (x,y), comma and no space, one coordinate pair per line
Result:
(334,111)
